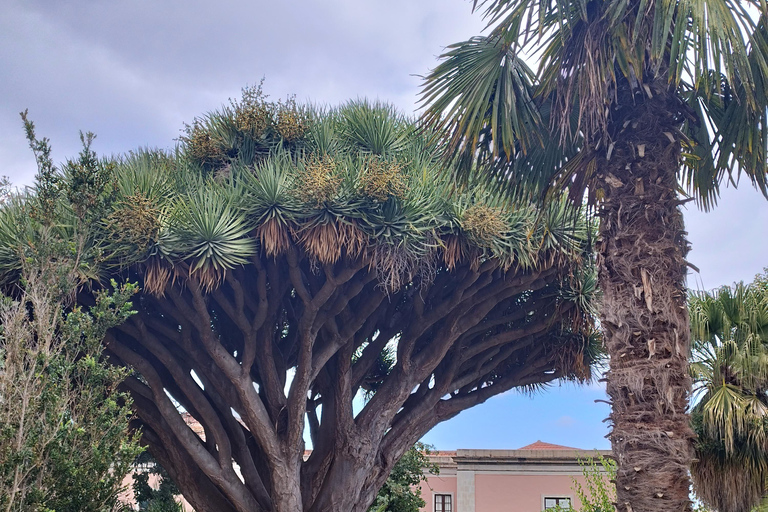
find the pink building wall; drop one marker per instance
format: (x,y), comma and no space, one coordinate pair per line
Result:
(439,485)
(126,496)
(506,480)
(521,493)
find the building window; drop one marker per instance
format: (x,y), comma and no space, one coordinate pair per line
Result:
(557,503)
(443,503)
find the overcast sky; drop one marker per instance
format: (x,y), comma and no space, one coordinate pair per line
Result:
(134,71)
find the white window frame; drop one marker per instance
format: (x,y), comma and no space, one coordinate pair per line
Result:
(555,496)
(432,502)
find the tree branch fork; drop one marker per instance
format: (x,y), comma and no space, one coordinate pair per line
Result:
(285,349)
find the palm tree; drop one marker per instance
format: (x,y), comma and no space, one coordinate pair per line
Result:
(730,371)
(631,100)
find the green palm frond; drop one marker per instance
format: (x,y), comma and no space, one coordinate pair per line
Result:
(726,413)
(714,35)
(526,19)
(268,185)
(481,98)
(149,172)
(560,228)
(323,136)
(15,235)
(727,138)
(730,371)
(210,229)
(542,131)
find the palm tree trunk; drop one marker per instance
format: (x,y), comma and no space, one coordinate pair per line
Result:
(642,267)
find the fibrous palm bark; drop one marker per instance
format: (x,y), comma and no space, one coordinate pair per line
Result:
(642,269)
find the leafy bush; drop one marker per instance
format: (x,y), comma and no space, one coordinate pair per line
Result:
(401,493)
(598,492)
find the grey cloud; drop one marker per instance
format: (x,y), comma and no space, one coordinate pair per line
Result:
(134,71)
(729,243)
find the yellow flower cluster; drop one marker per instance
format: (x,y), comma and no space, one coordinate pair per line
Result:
(319,182)
(380,179)
(484,223)
(253,113)
(291,123)
(202,146)
(136,221)
(253,117)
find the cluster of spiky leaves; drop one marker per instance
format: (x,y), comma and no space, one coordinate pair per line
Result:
(730,368)
(355,181)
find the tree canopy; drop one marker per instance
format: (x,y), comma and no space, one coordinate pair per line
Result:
(730,370)
(282,252)
(632,103)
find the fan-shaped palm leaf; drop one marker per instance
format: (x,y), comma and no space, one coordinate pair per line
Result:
(481,98)
(730,368)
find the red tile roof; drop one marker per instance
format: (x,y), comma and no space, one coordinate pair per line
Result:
(539,445)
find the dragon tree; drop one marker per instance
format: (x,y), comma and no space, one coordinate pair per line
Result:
(292,260)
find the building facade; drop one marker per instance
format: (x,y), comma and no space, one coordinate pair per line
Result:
(534,478)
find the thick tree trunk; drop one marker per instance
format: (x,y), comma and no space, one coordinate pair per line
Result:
(200,492)
(642,268)
(286,494)
(226,358)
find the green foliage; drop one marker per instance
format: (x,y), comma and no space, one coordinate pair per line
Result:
(400,492)
(47,178)
(542,130)
(5,189)
(64,441)
(730,371)
(149,499)
(373,127)
(360,180)
(598,493)
(246,130)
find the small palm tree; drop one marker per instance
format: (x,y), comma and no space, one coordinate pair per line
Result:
(730,371)
(632,98)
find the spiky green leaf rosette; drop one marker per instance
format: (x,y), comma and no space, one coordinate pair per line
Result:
(358,181)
